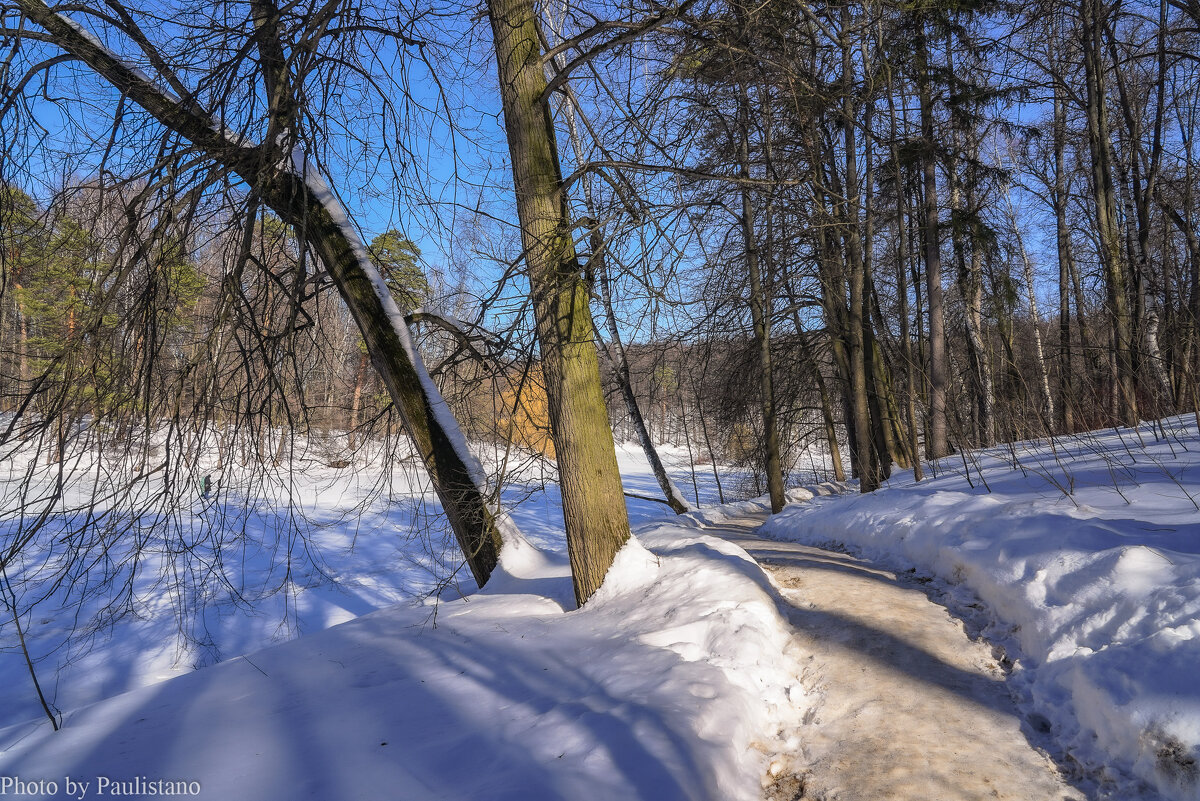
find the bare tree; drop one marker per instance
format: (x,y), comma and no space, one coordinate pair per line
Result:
(280,172)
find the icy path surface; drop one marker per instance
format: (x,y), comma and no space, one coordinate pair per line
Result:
(904,705)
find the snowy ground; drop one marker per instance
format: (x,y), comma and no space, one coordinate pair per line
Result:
(662,688)
(669,685)
(1083,561)
(325,545)
(1079,558)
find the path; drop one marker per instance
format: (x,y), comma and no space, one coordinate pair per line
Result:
(907,707)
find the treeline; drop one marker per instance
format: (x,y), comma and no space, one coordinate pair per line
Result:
(115,312)
(127,331)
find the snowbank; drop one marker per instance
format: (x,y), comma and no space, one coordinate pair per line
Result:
(1086,556)
(672,683)
(669,684)
(304,548)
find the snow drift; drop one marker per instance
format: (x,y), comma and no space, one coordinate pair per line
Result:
(1084,555)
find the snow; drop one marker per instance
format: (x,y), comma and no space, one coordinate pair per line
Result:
(305,549)
(677,496)
(671,683)
(1083,563)
(1077,561)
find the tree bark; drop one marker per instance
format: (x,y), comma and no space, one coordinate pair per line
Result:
(1066,391)
(1141,197)
(868,473)
(884,423)
(760,309)
(360,375)
(1035,318)
(808,351)
(910,406)
(902,245)
(969,274)
(985,383)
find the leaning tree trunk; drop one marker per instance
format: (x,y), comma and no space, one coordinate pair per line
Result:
(593,503)
(300,197)
(456,475)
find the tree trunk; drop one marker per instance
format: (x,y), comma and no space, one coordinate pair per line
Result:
(712,457)
(910,406)
(1066,392)
(835,450)
(837,315)
(1192,361)
(594,512)
(808,352)
(868,474)
(1035,319)
(360,375)
(22,341)
(1141,196)
(902,217)
(1104,195)
(883,422)
(760,311)
(936,445)
(969,274)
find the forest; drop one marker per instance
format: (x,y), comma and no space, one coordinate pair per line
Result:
(485,343)
(801,241)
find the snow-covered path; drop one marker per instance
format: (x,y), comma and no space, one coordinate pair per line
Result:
(905,705)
